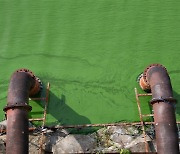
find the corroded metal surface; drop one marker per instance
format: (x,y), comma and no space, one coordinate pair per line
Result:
(141,119)
(157,78)
(17,131)
(21,84)
(166,129)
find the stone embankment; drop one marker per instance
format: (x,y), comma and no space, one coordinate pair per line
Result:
(105,140)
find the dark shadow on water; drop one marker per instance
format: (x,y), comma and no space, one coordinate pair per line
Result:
(59,109)
(64,114)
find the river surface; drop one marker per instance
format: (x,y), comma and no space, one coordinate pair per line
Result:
(91,52)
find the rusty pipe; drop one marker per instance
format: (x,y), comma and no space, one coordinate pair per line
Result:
(156,78)
(23,83)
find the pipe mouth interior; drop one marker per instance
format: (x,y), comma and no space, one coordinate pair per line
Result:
(144,86)
(143,80)
(139,77)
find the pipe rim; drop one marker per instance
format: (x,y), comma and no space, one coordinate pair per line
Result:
(38,84)
(148,68)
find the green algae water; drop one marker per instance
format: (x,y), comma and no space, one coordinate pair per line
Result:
(91,52)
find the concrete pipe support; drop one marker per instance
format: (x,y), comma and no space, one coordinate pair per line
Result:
(22,85)
(156,78)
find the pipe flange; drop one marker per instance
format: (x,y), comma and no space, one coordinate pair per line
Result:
(31,74)
(147,69)
(18,106)
(165,100)
(38,85)
(27,71)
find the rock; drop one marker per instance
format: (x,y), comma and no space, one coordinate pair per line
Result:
(64,131)
(123,130)
(52,138)
(34,144)
(139,139)
(132,130)
(3,138)
(3,124)
(139,147)
(101,131)
(123,135)
(111,149)
(75,144)
(121,139)
(2,147)
(103,138)
(98,149)
(138,144)
(117,129)
(119,146)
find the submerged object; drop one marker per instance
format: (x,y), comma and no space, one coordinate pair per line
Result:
(23,84)
(155,78)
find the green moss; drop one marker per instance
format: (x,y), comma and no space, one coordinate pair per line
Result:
(90,51)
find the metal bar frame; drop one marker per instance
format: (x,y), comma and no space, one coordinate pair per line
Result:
(46,99)
(44,118)
(141,118)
